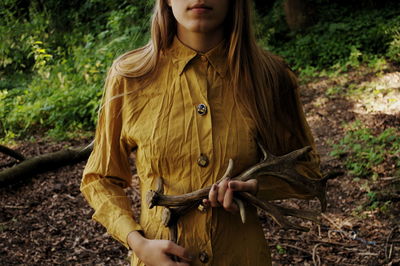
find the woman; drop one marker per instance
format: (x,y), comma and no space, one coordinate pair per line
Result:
(200,92)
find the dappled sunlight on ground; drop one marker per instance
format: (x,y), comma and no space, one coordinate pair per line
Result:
(382,95)
(51,211)
(352,231)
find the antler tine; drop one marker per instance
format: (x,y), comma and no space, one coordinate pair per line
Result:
(239,202)
(160,185)
(272,211)
(242,209)
(277,163)
(263,150)
(171,215)
(228,171)
(153,196)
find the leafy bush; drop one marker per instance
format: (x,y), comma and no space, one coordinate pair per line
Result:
(369,156)
(394,47)
(54,55)
(60,91)
(340,37)
(17,35)
(365,151)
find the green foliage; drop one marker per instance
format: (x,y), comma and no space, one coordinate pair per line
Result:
(17,35)
(56,89)
(365,151)
(394,47)
(368,157)
(281,250)
(54,55)
(340,38)
(376,200)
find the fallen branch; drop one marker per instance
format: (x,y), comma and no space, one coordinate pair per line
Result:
(43,163)
(7,165)
(12,153)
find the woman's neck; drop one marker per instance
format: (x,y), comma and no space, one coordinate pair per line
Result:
(199,41)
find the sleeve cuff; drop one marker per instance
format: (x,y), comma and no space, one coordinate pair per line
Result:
(122,227)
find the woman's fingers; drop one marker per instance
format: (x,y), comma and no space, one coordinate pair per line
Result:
(228,203)
(161,252)
(213,196)
(222,187)
(248,186)
(176,250)
(223,193)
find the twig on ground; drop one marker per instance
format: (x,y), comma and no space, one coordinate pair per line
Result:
(388,251)
(316,259)
(297,248)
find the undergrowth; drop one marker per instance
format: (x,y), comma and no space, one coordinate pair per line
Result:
(365,151)
(340,38)
(52,89)
(54,55)
(369,157)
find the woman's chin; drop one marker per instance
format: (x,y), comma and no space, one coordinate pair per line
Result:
(204,28)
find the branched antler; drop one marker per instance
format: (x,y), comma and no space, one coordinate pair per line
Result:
(282,167)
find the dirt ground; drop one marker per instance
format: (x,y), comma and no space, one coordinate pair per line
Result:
(46,221)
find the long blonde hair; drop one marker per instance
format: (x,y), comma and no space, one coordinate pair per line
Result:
(262,81)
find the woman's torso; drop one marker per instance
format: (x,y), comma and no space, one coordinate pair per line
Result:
(187,125)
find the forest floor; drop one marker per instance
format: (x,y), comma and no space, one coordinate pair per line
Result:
(46,221)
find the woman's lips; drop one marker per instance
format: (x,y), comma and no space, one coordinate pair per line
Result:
(200,9)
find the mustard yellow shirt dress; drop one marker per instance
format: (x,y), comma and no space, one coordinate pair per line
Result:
(184,126)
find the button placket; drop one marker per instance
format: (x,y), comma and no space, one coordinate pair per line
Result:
(203,157)
(203,120)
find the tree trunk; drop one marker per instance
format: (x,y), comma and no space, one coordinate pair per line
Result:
(43,163)
(297,13)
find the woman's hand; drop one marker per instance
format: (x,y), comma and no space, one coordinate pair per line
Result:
(157,252)
(222,194)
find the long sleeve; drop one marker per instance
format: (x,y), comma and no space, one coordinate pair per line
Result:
(107,171)
(295,133)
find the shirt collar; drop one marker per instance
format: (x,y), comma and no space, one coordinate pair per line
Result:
(182,55)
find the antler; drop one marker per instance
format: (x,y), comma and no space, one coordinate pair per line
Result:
(282,167)
(279,166)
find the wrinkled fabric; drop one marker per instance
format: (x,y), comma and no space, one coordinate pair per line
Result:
(162,124)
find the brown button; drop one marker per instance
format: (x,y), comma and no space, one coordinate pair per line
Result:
(202,109)
(203,257)
(203,58)
(202,160)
